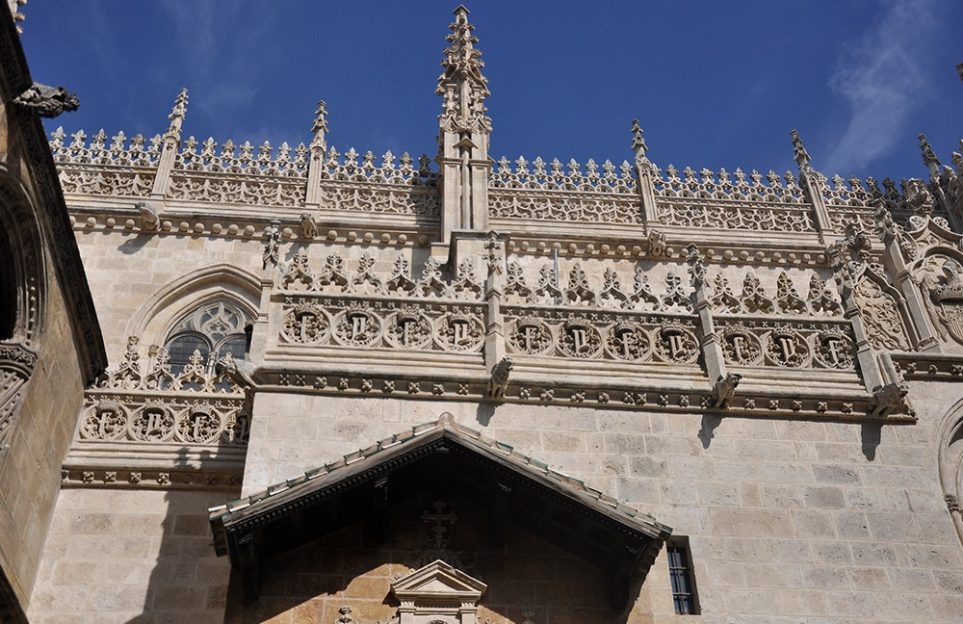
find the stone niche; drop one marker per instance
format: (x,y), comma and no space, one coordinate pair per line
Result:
(438,593)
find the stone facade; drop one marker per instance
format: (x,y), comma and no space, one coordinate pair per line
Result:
(784,394)
(50,344)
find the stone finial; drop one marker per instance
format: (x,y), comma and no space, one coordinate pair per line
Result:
(929,156)
(697,265)
(919,198)
(320,126)
(463,109)
(178,113)
(272,244)
(799,152)
(638,142)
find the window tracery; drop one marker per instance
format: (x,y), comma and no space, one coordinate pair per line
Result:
(208,332)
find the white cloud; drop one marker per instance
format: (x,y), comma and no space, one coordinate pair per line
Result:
(881,78)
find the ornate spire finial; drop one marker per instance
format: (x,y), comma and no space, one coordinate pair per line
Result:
(320,125)
(178,113)
(462,84)
(638,142)
(799,152)
(929,156)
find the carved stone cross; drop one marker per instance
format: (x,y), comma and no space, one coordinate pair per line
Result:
(438,518)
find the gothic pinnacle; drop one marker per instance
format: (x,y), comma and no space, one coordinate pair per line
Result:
(178,113)
(320,125)
(799,152)
(638,142)
(462,59)
(461,84)
(929,156)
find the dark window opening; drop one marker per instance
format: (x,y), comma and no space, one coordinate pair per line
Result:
(684,594)
(8,292)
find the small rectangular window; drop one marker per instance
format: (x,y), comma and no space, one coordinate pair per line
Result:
(680,574)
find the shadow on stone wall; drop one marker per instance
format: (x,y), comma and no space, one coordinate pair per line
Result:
(352,568)
(188,582)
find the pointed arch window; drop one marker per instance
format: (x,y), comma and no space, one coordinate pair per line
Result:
(213,329)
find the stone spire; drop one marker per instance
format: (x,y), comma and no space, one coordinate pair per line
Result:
(461,84)
(799,152)
(320,126)
(812,183)
(638,143)
(929,157)
(464,132)
(177,117)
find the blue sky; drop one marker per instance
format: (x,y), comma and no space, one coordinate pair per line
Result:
(715,84)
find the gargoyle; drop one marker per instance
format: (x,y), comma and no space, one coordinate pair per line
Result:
(148,214)
(309,226)
(725,390)
(889,398)
(47,101)
(656,243)
(241,372)
(499,380)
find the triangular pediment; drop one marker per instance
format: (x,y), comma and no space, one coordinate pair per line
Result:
(438,580)
(443,455)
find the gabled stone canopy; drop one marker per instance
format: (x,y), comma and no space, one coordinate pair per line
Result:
(443,455)
(438,589)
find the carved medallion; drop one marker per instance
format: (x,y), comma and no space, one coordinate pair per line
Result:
(459,332)
(530,335)
(408,329)
(198,424)
(104,421)
(580,340)
(674,343)
(740,346)
(152,423)
(357,328)
(787,348)
(305,324)
(628,341)
(834,349)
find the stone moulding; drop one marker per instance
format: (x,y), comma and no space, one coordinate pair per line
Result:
(791,401)
(79,475)
(929,366)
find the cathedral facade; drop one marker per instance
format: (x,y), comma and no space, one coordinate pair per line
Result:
(290,384)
